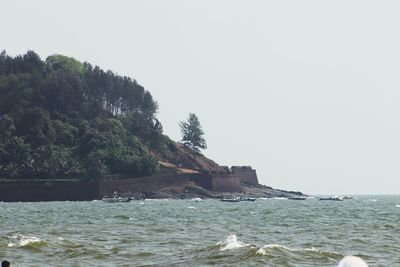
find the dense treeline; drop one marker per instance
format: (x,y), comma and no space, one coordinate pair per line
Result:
(64,118)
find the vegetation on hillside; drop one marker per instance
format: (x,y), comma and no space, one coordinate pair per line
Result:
(63,118)
(192,134)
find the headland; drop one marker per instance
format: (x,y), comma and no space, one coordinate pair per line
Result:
(72,131)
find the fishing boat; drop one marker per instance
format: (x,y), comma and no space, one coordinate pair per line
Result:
(115,198)
(248,199)
(335,198)
(297,198)
(235,199)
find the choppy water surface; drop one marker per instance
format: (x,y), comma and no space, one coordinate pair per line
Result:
(184,233)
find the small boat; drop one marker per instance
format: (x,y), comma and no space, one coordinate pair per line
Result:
(248,199)
(115,198)
(297,198)
(235,199)
(335,198)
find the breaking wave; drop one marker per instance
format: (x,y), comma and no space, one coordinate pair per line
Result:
(280,255)
(25,241)
(231,250)
(231,242)
(276,247)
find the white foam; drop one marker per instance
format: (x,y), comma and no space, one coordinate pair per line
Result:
(352,261)
(280,198)
(22,241)
(373,200)
(312,249)
(231,242)
(397,206)
(191,208)
(272,198)
(261,252)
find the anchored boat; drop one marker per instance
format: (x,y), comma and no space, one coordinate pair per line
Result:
(115,198)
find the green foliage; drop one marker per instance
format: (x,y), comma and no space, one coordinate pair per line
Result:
(6,127)
(62,118)
(15,158)
(192,134)
(69,64)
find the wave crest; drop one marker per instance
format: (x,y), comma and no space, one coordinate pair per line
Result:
(270,249)
(25,241)
(231,242)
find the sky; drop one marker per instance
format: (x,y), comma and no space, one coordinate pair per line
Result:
(306,92)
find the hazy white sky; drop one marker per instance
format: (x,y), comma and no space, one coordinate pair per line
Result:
(307,92)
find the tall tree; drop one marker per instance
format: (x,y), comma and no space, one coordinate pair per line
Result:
(192,134)
(61,118)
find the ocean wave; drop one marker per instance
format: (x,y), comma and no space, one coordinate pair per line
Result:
(271,254)
(68,243)
(122,217)
(271,249)
(25,241)
(231,242)
(397,206)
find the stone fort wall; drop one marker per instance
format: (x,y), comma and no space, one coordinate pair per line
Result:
(212,182)
(246,174)
(78,190)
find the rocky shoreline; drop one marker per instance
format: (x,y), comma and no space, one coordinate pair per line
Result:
(191,190)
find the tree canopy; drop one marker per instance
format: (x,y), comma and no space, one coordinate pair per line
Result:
(192,134)
(61,118)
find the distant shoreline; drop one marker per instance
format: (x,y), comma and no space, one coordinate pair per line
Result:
(173,187)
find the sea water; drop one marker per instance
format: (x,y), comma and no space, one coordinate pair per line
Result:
(267,232)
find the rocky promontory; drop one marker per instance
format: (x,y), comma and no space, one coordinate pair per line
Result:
(191,190)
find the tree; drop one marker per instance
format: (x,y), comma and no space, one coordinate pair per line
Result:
(63,118)
(192,134)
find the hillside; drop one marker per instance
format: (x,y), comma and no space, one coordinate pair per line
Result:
(181,157)
(63,118)
(60,118)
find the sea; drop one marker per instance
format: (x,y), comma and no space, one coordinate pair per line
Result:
(266,232)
